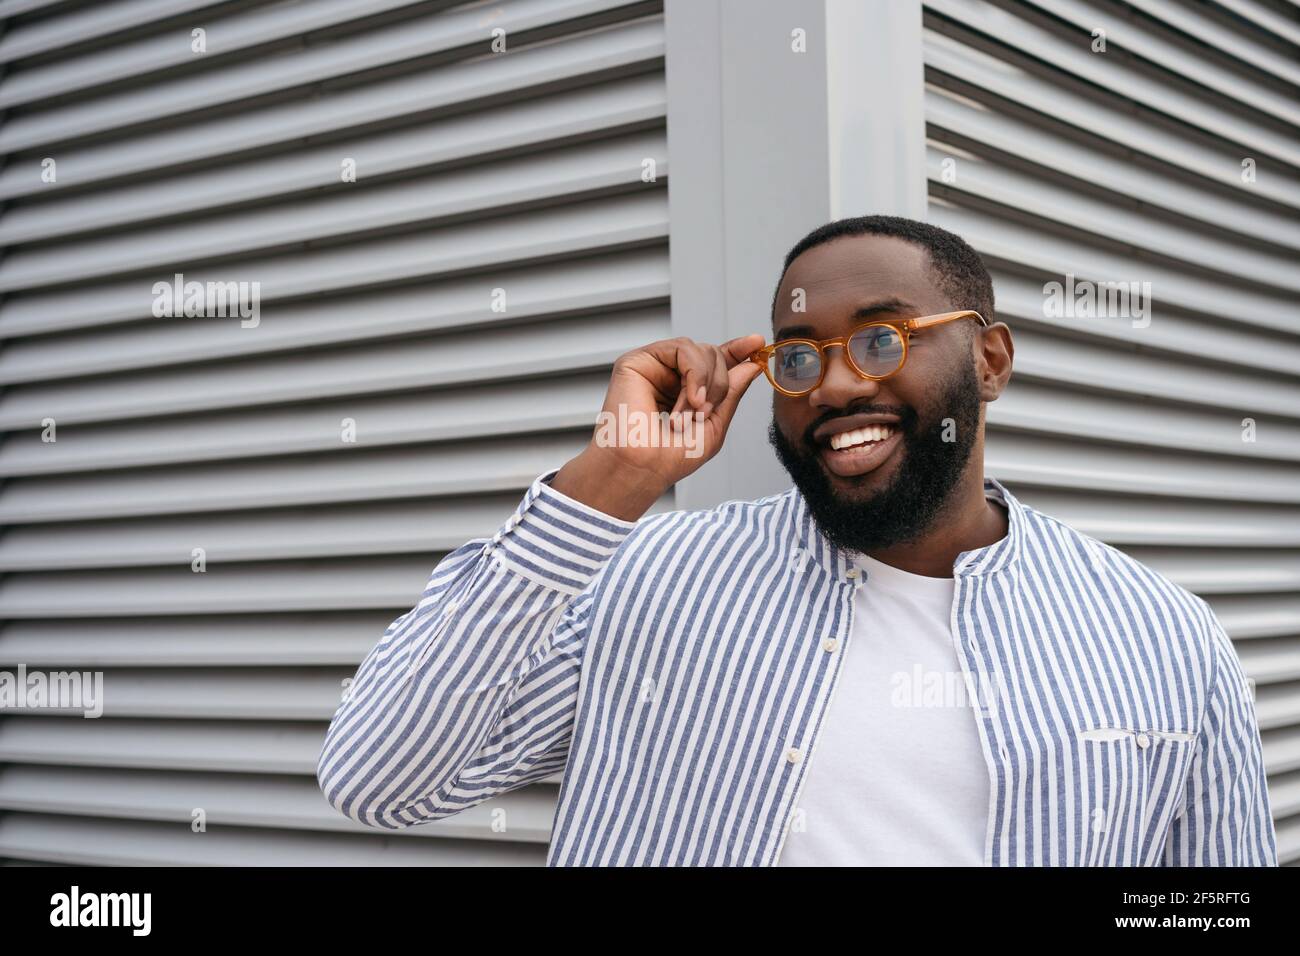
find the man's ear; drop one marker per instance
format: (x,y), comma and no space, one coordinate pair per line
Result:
(994,352)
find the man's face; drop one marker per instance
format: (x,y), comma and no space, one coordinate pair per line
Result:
(889,490)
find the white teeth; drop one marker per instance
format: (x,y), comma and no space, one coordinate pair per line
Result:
(870,433)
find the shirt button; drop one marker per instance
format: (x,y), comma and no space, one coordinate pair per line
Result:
(830,644)
(794,755)
(1143,741)
(851,574)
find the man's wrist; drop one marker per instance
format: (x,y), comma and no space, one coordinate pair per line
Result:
(609,486)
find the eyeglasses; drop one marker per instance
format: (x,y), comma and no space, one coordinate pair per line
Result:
(874,351)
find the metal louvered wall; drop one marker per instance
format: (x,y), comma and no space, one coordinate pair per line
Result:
(474,172)
(1053,158)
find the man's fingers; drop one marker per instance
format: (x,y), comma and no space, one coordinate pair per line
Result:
(708,377)
(738,350)
(719,383)
(739,378)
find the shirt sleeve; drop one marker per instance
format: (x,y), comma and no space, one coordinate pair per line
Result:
(472,692)
(1225,818)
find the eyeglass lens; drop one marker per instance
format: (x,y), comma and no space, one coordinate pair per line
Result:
(877,350)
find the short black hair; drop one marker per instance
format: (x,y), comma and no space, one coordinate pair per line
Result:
(960,272)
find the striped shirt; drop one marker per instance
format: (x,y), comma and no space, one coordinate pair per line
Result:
(678,670)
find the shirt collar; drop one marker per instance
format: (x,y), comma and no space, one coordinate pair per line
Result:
(987,560)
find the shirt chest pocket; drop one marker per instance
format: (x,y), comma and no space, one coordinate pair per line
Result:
(1129,783)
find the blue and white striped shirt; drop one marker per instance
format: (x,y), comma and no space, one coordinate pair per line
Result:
(677,670)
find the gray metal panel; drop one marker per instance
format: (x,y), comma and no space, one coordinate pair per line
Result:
(476,411)
(484,189)
(228,800)
(443,362)
(423,146)
(436,91)
(104,841)
(160,51)
(459,33)
(475,172)
(1126,165)
(586,226)
(29,38)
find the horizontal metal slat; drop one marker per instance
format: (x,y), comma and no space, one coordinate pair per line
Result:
(1052,408)
(1006,31)
(1288,842)
(1099,221)
(593,283)
(1152,521)
(1203,67)
(86,841)
(137,55)
(523,816)
(542,122)
(361,528)
(391,582)
(1218,572)
(951,63)
(245,747)
(1047,461)
(362,474)
(471,412)
(392,527)
(438,33)
(1264,19)
(1284,796)
(339,638)
(1281,750)
(1130,369)
(445,361)
(984,128)
(84,24)
(386,582)
(440,90)
(215,693)
(1192,22)
(1054,253)
(1276,707)
(14,8)
(347,211)
(596,226)
(1271,355)
(1257,618)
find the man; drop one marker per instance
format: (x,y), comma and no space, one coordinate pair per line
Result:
(768,681)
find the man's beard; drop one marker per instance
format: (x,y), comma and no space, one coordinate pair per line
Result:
(923,481)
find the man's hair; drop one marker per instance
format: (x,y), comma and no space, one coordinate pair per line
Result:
(957,267)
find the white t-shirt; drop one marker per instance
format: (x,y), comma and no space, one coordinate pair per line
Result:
(898,776)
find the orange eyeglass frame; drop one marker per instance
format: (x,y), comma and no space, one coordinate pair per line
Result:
(762,356)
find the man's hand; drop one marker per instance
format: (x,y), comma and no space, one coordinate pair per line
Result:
(680,377)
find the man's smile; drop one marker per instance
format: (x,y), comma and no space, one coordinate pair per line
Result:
(860,451)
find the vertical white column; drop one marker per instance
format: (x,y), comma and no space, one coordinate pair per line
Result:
(782,115)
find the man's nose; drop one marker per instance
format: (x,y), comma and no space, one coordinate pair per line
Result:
(841,384)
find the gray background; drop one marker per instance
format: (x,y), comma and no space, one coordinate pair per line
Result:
(523,171)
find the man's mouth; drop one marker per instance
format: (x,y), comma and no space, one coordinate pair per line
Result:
(859,450)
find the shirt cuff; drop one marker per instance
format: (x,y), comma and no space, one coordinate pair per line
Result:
(557,541)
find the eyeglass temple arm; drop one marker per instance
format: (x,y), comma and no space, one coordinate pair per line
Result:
(914,324)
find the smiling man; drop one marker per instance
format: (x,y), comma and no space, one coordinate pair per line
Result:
(893,662)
